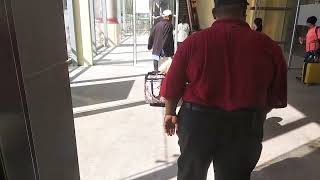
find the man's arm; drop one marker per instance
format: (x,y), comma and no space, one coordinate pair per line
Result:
(151,38)
(278,89)
(174,85)
(168,35)
(171,106)
(170,118)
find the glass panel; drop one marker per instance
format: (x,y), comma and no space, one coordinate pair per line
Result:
(67,27)
(289,25)
(126,18)
(99,24)
(70,33)
(142,30)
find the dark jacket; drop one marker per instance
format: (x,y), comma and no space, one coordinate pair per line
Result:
(161,38)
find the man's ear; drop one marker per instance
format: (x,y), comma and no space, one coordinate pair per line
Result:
(214,13)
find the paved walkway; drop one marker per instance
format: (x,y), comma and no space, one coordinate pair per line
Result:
(119,137)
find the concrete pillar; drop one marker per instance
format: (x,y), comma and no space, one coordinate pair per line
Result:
(81,12)
(114,28)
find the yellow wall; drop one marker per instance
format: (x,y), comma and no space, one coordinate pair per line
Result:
(204,9)
(273,20)
(250,13)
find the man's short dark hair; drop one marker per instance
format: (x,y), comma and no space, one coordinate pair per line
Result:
(231,10)
(312,20)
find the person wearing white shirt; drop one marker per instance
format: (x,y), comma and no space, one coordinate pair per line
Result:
(183,30)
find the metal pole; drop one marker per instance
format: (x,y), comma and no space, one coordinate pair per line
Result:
(93,27)
(176,26)
(105,22)
(124,23)
(293,34)
(134,34)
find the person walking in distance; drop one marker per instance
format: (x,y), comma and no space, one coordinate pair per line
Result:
(183,30)
(161,40)
(228,86)
(258,24)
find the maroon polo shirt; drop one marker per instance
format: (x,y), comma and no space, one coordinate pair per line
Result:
(228,66)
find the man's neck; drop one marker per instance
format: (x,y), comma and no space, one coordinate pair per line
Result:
(230,17)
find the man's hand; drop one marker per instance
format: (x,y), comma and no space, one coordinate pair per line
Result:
(170,124)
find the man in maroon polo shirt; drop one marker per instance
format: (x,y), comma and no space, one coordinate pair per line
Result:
(229,77)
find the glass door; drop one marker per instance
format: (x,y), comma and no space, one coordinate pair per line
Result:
(138,18)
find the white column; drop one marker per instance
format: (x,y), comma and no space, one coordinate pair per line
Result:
(114,29)
(81,13)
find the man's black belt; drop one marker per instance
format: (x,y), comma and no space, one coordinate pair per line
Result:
(200,108)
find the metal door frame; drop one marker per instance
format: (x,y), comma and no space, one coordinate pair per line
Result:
(175,14)
(293,34)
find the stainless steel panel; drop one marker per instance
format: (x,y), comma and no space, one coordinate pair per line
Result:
(40,31)
(50,111)
(14,140)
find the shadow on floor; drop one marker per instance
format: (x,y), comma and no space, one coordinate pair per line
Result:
(300,168)
(163,174)
(168,172)
(73,68)
(303,98)
(109,109)
(129,52)
(107,79)
(109,62)
(72,78)
(100,93)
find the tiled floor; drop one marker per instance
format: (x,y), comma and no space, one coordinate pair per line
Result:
(119,137)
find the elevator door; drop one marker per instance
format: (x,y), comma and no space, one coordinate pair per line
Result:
(16,162)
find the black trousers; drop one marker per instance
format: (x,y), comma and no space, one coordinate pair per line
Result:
(231,140)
